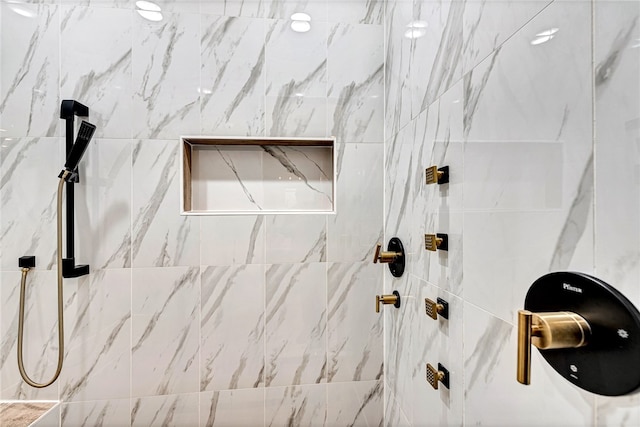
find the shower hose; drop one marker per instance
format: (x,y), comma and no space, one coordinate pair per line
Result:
(23,285)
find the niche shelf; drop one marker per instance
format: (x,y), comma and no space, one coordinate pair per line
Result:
(247,175)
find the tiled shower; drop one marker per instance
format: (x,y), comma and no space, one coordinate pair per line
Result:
(269,319)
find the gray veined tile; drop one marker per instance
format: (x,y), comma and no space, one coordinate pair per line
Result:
(233,75)
(296,405)
(174,410)
(357,225)
(398,95)
(166,96)
(234,8)
(355,404)
(232,307)
(165,328)
(355,83)
(296,324)
(296,80)
(98,333)
(296,238)
(161,237)
(232,407)
(232,240)
(354,356)
(96,65)
(29,94)
(28,190)
(115,412)
(436,55)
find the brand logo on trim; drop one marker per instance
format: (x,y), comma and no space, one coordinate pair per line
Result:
(568,287)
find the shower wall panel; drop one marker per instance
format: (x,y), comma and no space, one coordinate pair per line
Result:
(193,320)
(534,106)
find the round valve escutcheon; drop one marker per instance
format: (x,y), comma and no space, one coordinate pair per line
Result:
(585,329)
(394,256)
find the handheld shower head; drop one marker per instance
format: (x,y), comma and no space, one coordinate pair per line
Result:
(77,151)
(80,146)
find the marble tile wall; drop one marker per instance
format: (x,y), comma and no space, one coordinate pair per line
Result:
(535,106)
(187,321)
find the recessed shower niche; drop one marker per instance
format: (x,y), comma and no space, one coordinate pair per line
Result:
(243,175)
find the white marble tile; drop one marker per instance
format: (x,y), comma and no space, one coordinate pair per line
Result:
(166,102)
(165,331)
(245,8)
(231,240)
(490,381)
(617,66)
(176,410)
(29,94)
(437,341)
(232,408)
(294,114)
(623,411)
(399,169)
(355,82)
(161,237)
(232,327)
(296,80)
(436,32)
(40,350)
(393,415)
(296,405)
(233,74)
(179,6)
(96,53)
(120,4)
(114,412)
(296,62)
(355,404)
(357,225)
(98,336)
(296,238)
(398,96)
(348,64)
(399,343)
(355,334)
(505,252)
(498,108)
(296,324)
(507,176)
(29,187)
(356,11)
(103,205)
(488,23)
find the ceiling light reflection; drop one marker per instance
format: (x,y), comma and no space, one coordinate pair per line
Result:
(544,36)
(20,9)
(416,29)
(300,22)
(149,10)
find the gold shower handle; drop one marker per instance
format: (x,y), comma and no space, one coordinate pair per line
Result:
(388,299)
(384,256)
(553,330)
(525,318)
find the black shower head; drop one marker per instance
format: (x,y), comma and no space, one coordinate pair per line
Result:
(80,146)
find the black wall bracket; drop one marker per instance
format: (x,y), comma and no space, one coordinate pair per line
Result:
(68,111)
